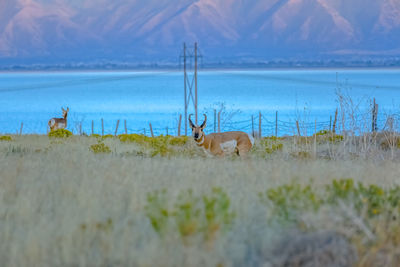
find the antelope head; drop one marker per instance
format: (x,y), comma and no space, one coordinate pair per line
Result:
(197,131)
(65,112)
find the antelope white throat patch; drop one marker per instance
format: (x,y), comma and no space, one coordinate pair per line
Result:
(229,146)
(251,138)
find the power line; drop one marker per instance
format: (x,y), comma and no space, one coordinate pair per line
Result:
(77,82)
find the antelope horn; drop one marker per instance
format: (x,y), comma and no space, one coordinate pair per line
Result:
(204,122)
(190,122)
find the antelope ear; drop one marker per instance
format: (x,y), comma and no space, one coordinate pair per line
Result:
(62,109)
(67,109)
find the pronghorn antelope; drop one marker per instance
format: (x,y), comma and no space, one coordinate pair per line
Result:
(59,123)
(220,144)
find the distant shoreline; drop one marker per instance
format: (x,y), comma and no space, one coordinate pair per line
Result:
(201,69)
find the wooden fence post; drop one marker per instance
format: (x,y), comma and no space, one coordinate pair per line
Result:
(179,124)
(219,121)
(315,127)
(126,128)
(166,128)
(330,123)
(20,129)
(215,120)
(374,117)
(252,126)
(298,128)
(334,122)
(102,127)
(92,127)
(116,128)
(259,125)
(144,131)
(276,123)
(315,139)
(151,130)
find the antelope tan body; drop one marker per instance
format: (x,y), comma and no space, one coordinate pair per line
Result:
(221,144)
(59,123)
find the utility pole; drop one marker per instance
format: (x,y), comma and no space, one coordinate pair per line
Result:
(188,83)
(185,82)
(195,81)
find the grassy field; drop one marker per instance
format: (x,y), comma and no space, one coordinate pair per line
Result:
(324,200)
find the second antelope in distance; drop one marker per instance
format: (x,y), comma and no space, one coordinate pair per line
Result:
(221,144)
(59,123)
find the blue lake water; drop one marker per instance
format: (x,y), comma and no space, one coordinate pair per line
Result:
(157,97)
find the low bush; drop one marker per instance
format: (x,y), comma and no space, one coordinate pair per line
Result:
(271,144)
(100,148)
(159,145)
(323,132)
(60,133)
(373,198)
(289,200)
(5,138)
(190,214)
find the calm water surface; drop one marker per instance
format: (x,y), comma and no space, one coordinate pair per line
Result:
(157,97)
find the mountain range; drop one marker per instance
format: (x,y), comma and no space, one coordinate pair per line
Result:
(139,30)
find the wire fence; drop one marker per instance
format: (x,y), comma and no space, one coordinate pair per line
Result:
(257,124)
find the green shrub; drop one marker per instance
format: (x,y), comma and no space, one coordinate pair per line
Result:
(134,138)
(159,145)
(157,210)
(217,212)
(273,148)
(60,133)
(335,138)
(95,135)
(323,132)
(288,200)
(178,140)
(107,136)
(340,189)
(5,138)
(372,197)
(100,148)
(272,138)
(270,144)
(187,214)
(192,215)
(328,136)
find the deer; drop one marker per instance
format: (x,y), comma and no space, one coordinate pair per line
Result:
(59,123)
(221,144)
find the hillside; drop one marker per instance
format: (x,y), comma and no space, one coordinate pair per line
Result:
(129,30)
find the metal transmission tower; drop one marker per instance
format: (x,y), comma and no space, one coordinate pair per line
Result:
(188,83)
